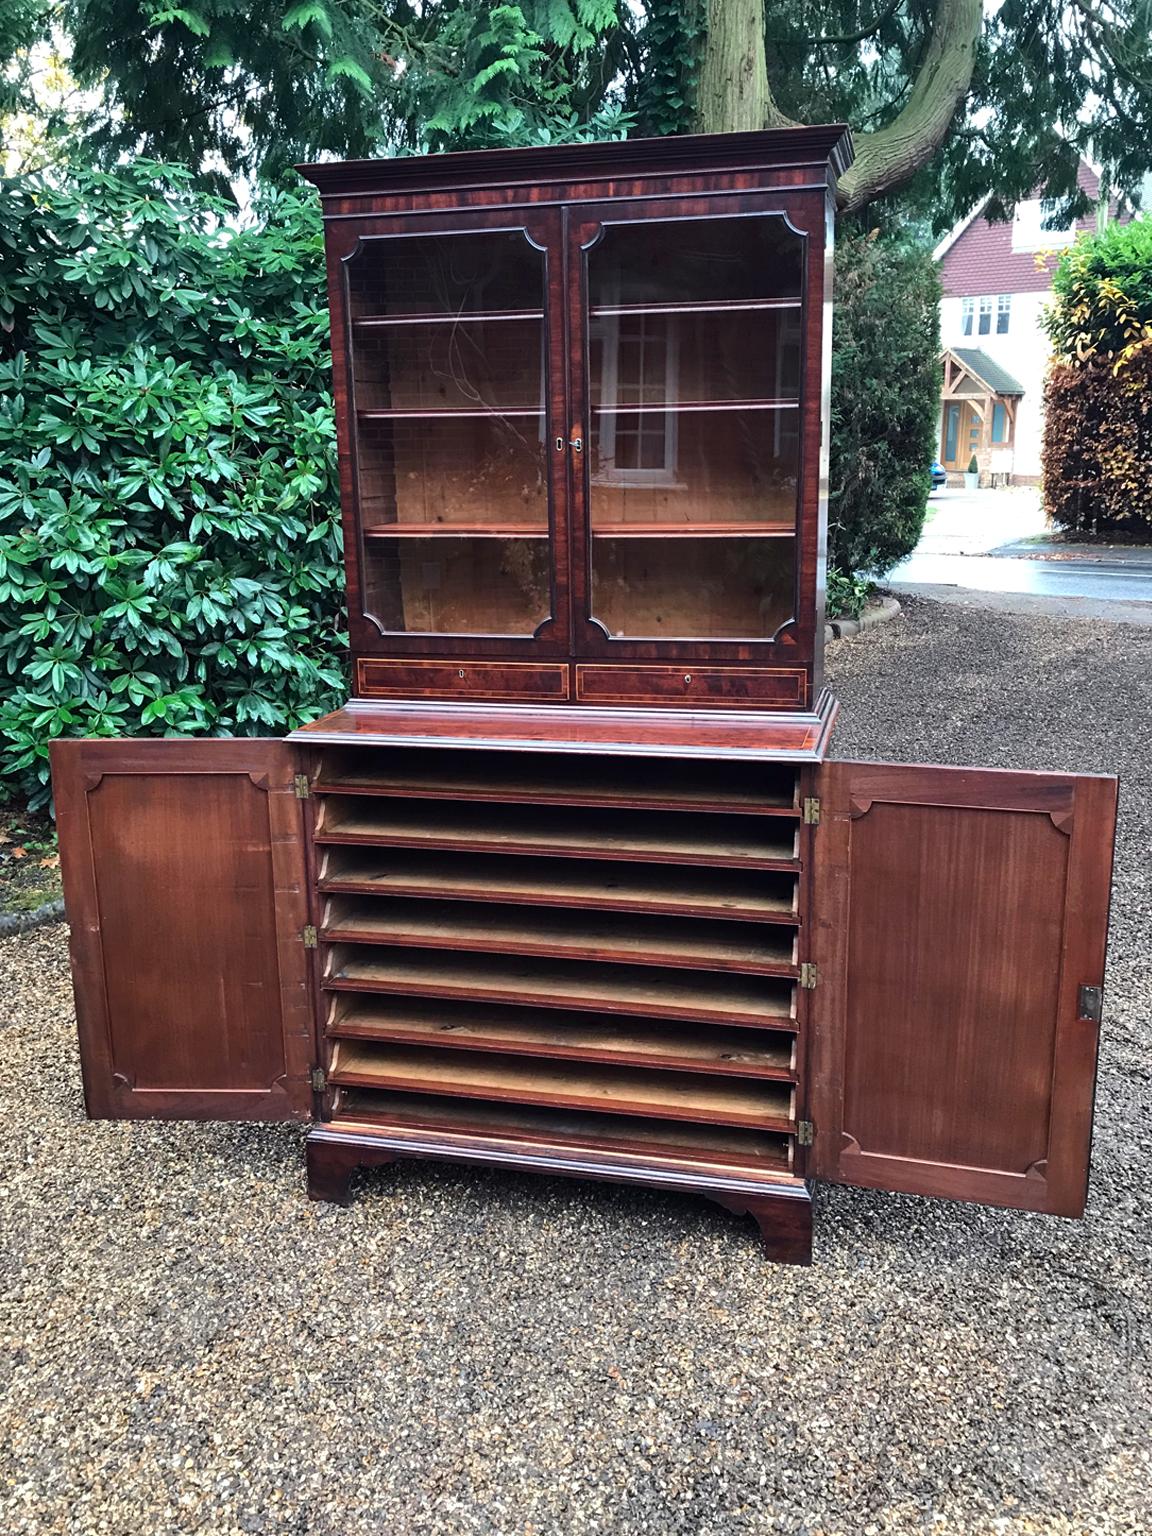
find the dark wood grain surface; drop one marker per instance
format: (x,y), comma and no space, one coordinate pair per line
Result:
(959,913)
(758,735)
(184,877)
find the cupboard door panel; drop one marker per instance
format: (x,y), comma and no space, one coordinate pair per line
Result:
(961,915)
(184,879)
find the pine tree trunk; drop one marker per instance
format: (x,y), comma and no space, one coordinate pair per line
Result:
(732,95)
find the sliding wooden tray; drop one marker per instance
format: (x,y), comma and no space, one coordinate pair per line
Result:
(621,1090)
(574,1036)
(693,943)
(672,838)
(423,1123)
(528,778)
(764,896)
(758,1002)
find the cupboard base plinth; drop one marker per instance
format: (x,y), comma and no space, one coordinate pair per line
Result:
(785,1223)
(331,1162)
(781,1206)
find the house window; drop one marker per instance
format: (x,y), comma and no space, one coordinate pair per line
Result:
(967,315)
(1028,232)
(638,363)
(985,325)
(1003,313)
(999,424)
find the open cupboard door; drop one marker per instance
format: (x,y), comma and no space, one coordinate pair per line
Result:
(184,881)
(959,943)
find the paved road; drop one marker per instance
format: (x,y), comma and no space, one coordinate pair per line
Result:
(1110,580)
(985,549)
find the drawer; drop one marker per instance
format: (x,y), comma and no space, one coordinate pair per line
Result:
(381,679)
(736,687)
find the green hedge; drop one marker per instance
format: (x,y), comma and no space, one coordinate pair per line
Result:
(169,547)
(886,380)
(1097,418)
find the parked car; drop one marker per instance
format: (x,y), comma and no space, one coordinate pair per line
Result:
(939,474)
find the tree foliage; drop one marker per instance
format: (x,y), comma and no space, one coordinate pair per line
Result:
(1010,95)
(885,401)
(1098,396)
(1102,296)
(257,87)
(169,552)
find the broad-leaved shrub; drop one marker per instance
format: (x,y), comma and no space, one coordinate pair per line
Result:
(169,540)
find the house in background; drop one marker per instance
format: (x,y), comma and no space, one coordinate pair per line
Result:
(996,281)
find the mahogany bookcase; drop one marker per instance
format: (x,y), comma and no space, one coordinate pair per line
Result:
(569,883)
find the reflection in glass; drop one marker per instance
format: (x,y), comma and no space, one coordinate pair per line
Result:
(694,371)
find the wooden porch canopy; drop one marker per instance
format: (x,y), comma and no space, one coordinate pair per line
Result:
(974,379)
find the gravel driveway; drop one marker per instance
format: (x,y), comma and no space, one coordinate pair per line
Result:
(190,1346)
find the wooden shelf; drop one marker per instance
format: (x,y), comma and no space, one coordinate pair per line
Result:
(619,1090)
(459,317)
(574,1036)
(690,943)
(497,878)
(652,783)
(693,530)
(701,307)
(605,834)
(791,403)
(461,413)
(456,531)
(632,990)
(479,1127)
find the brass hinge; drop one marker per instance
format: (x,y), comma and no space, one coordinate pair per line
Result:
(302,787)
(811,811)
(1090,1003)
(809,975)
(308,936)
(805,1131)
(319,1080)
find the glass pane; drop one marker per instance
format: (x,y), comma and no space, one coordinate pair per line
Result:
(446,275)
(467,365)
(696,260)
(453,471)
(675,587)
(449,384)
(459,584)
(694,367)
(952,433)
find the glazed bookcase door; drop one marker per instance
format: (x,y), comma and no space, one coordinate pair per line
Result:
(694,390)
(961,926)
(452,453)
(184,878)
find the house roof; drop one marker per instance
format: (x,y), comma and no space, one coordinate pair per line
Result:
(958,228)
(977,257)
(987,370)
